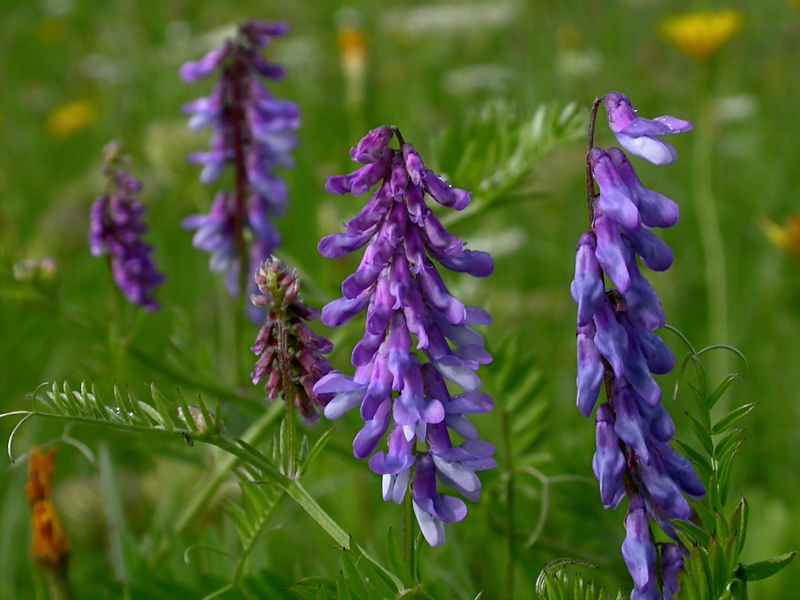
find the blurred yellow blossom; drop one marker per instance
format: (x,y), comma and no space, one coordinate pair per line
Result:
(353,56)
(786,237)
(700,34)
(71,118)
(352,48)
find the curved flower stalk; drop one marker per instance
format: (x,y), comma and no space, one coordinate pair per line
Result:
(290,354)
(404,296)
(617,345)
(115,227)
(252,132)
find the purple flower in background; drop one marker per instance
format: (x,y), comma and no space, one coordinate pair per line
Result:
(252,132)
(616,343)
(407,303)
(286,343)
(115,229)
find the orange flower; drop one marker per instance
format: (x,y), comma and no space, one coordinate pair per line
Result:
(40,472)
(786,237)
(71,118)
(700,34)
(50,545)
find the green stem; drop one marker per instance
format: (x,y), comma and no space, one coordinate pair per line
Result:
(408,534)
(509,494)
(57,584)
(199,500)
(282,356)
(293,488)
(713,246)
(115,515)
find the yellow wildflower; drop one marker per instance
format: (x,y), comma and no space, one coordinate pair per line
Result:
(700,34)
(786,237)
(71,118)
(353,56)
(352,47)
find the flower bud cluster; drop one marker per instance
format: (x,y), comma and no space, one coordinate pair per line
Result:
(290,354)
(252,131)
(115,227)
(404,296)
(617,345)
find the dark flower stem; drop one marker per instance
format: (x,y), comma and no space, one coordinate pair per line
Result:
(237,76)
(399,136)
(590,194)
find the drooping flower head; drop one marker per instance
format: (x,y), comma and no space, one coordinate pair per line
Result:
(399,286)
(290,354)
(115,229)
(617,345)
(251,132)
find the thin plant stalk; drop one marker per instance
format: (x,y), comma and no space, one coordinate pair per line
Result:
(409,534)
(511,531)
(237,118)
(288,393)
(713,246)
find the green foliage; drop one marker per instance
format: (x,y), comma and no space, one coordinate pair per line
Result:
(123,58)
(358,579)
(252,517)
(554,583)
(493,152)
(713,570)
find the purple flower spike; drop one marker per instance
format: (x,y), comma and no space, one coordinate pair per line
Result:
(115,229)
(616,344)
(417,334)
(640,136)
(252,132)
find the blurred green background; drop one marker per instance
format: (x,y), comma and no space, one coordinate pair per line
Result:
(75,74)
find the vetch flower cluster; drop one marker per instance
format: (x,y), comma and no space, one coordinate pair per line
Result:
(290,353)
(115,229)
(616,343)
(404,296)
(252,131)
